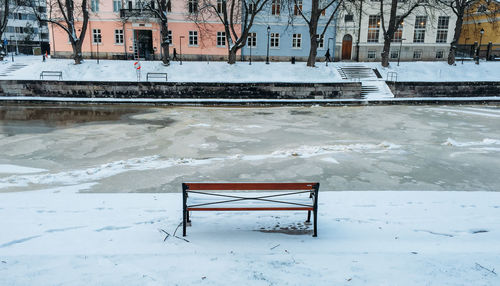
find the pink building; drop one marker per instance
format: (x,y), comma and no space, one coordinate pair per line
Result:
(120,29)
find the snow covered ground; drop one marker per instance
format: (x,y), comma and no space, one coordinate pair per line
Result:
(29,67)
(409,195)
(59,237)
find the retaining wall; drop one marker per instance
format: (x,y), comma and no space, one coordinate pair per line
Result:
(445,89)
(89,89)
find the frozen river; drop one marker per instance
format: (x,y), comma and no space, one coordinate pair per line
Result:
(151,149)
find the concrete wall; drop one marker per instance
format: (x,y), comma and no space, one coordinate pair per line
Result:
(179,90)
(444,89)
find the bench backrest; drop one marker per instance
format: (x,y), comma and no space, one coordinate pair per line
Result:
(249,186)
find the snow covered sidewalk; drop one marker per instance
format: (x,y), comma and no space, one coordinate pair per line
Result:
(59,237)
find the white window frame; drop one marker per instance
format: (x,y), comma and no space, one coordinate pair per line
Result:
(373,29)
(274,41)
(94,6)
(117,5)
(119,37)
(221,39)
(420,27)
(275,7)
(252,39)
(297,41)
(193,39)
(96,36)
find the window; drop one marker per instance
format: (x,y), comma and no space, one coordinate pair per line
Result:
(193,7)
(372,54)
(394,54)
(193,38)
(321,43)
(170,37)
(219,7)
(118,36)
(96,36)
(275,7)
(252,39)
(420,24)
(373,28)
(349,18)
(221,39)
(275,40)
(439,54)
(398,34)
(442,29)
(417,54)
(297,8)
(94,5)
(481,8)
(117,5)
(251,8)
(297,41)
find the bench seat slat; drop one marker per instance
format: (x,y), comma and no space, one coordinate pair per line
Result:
(249,186)
(254,209)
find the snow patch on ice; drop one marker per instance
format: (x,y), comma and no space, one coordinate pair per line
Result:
(484,142)
(15,169)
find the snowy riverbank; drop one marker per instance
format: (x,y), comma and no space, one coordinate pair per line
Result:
(60,237)
(29,68)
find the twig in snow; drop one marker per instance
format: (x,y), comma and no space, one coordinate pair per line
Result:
(167,234)
(275,246)
(482,267)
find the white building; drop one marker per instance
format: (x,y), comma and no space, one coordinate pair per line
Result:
(23,32)
(425,34)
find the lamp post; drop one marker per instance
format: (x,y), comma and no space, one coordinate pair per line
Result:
(465,48)
(98,43)
(180,49)
(479,47)
(400,46)
(250,46)
(268,34)
(328,49)
(12,53)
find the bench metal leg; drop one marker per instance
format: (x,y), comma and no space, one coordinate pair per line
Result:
(308,216)
(315,233)
(185,214)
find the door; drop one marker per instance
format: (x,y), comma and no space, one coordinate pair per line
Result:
(346,47)
(144,41)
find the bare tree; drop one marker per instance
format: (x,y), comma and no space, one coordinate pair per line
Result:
(4,14)
(405,8)
(64,14)
(311,18)
(160,9)
(462,9)
(229,13)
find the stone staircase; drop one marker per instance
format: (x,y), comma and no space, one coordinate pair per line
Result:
(372,86)
(11,68)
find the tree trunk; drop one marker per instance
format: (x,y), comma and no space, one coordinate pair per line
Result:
(232,55)
(311,60)
(165,45)
(77,53)
(385,52)
(456,36)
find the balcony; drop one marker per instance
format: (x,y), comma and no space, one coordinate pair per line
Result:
(137,14)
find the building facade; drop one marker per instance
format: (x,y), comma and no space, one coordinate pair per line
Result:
(425,34)
(481,27)
(288,33)
(23,33)
(121,29)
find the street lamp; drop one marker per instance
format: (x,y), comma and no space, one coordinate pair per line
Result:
(12,54)
(98,42)
(268,34)
(328,51)
(250,46)
(180,49)
(400,46)
(465,49)
(479,47)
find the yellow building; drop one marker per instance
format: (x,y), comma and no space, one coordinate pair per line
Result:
(482,15)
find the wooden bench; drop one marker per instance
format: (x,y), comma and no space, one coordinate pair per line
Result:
(284,197)
(51,73)
(156,75)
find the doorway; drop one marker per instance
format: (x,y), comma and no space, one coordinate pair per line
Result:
(346,47)
(144,42)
